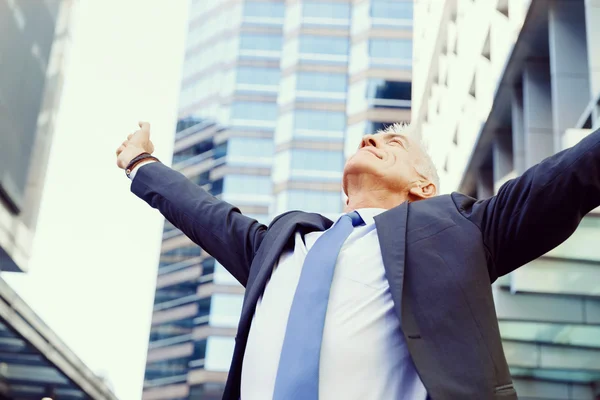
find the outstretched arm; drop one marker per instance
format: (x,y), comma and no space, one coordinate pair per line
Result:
(536,212)
(216,226)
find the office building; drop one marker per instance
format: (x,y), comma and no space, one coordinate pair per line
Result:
(30,87)
(498,86)
(275,94)
(35,40)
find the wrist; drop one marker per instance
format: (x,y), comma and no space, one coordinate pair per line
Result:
(138,161)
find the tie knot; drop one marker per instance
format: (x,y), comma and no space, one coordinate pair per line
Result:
(356,219)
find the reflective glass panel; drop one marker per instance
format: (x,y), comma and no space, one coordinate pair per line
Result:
(374,127)
(324,45)
(250,147)
(317,160)
(258,76)
(241,184)
(392,9)
(382,89)
(262,9)
(167,368)
(225,310)
(556,374)
(219,351)
(391,48)
(322,81)
(257,111)
(575,335)
(321,9)
(252,41)
(320,120)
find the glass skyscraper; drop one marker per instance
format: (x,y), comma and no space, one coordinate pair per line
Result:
(275,95)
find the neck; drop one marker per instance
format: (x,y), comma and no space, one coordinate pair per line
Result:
(374,198)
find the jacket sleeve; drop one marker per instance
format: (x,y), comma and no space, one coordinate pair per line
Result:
(218,227)
(534,213)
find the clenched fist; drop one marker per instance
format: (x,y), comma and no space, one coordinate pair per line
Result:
(136,144)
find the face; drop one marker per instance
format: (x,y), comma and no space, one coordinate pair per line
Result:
(387,160)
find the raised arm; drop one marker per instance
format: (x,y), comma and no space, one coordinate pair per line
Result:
(537,211)
(216,226)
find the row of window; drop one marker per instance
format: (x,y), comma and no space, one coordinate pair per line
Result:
(316,120)
(325,82)
(311,165)
(292,164)
(248,184)
(390,51)
(250,147)
(305,80)
(255,78)
(213,26)
(311,44)
(385,9)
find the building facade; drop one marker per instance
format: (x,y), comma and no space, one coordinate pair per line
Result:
(275,95)
(498,86)
(35,39)
(34,44)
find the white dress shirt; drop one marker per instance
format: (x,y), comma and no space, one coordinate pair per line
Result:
(364,354)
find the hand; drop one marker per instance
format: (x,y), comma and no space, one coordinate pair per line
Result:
(136,144)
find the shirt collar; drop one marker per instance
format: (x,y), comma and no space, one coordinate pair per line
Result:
(368,214)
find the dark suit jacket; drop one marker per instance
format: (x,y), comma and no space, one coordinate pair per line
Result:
(440,255)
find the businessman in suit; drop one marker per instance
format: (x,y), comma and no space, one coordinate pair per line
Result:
(393,299)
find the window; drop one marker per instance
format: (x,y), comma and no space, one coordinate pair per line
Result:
(320,120)
(250,147)
(225,310)
(167,369)
(247,184)
(321,160)
(219,351)
(192,151)
(250,41)
(314,201)
(391,48)
(382,89)
(264,10)
(322,82)
(256,111)
(392,9)
(324,45)
(258,76)
(374,127)
(318,9)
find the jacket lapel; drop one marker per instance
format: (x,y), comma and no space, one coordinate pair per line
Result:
(391,230)
(278,236)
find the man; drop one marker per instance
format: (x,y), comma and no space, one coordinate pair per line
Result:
(393,300)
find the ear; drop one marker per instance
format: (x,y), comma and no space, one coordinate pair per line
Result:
(422,191)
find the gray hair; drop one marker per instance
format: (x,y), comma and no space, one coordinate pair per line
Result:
(426,168)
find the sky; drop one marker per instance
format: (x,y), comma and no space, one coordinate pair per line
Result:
(95,253)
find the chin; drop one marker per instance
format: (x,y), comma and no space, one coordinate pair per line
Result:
(360,164)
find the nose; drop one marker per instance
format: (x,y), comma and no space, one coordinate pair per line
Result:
(369,140)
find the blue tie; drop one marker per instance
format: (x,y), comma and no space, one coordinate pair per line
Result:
(298,372)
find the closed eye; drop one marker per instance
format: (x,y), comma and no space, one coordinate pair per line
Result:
(397,142)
